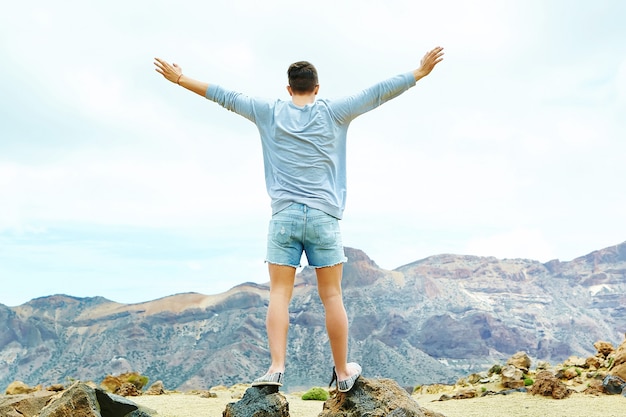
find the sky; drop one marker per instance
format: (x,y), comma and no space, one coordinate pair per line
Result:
(116,183)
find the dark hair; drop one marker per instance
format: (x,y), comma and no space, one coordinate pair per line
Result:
(302,77)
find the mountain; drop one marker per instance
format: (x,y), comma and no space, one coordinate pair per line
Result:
(429,321)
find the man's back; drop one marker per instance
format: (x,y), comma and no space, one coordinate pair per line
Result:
(304,147)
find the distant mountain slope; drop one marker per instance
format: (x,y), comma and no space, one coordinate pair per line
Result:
(428,321)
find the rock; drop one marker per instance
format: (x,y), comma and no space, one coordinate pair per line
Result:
(570,373)
(112,405)
(613,384)
(520,360)
(619,362)
(511,371)
(494,370)
(464,394)
(575,361)
(18,387)
(593,362)
(263,401)
(543,365)
(374,398)
(77,401)
(461,395)
(24,405)
(515,384)
(595,387)
(81,400)
(461,382)
(128,390)
(476,378)
(548,385)
(604,348)
(156,389)
(512,377)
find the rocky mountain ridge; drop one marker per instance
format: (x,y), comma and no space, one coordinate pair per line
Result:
(428,321)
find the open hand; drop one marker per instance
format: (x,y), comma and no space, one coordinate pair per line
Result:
(428,62)
(172,72)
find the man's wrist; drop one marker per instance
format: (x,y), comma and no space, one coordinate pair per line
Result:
(418,74)
(178,79)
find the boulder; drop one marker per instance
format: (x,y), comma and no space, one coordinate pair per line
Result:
(374,398)
(461,382)
(156,389)
(604,349)
(619,362)
(520,360)
(476,378)
(128,390)
(18,387)
(263,401)
(548,385)
(613,384)
(570,373)
(79,400)
(512,377)
(575,361)
(461,395)
(593,362)
(24,405)
(594,388)
(112,405)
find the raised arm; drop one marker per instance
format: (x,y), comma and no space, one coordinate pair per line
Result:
(174,73)
(428,62)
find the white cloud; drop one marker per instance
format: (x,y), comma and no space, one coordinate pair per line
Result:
(620,84)
(512,147)
(103,188)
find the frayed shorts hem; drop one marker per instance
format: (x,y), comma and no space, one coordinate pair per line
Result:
(343,261)
(282,264)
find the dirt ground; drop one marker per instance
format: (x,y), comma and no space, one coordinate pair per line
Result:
(513,405)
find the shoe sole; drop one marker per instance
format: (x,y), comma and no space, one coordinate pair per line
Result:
(273,384)
(352,379)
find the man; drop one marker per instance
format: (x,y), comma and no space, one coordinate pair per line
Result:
(304,153)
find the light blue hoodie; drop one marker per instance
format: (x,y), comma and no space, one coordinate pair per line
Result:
(304,148)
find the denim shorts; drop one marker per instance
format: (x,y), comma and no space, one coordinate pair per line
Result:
(299,228)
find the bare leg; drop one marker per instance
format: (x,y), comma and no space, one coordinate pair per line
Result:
(277,321)
(329,287)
